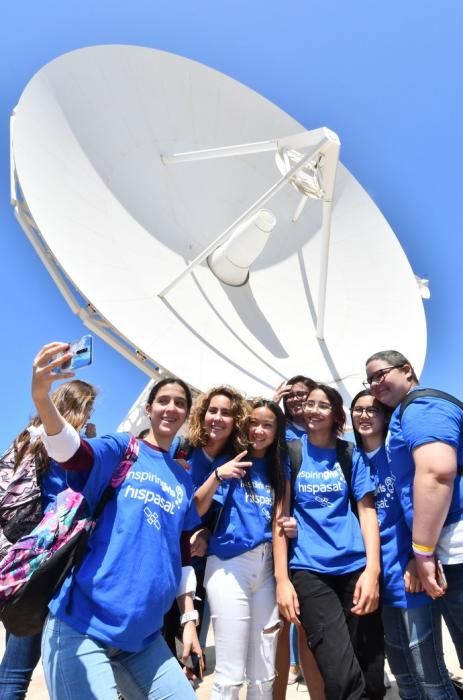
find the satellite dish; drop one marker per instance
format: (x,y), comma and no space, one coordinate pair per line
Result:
(209,234)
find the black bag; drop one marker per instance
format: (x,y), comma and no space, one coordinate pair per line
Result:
(20,499)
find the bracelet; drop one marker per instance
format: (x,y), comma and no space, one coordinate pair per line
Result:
(193,615)
(422,550)
(217,476)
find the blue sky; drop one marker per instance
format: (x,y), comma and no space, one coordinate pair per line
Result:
(386,76)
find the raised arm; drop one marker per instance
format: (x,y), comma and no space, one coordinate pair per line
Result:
(60,439)
(42,379)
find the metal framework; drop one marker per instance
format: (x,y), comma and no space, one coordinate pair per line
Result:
(324,147)
(88,314)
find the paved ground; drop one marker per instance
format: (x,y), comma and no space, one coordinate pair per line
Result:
(37,690)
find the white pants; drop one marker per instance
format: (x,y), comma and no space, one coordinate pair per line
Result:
(244,613)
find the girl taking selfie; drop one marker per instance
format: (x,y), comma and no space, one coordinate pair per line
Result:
(103,631)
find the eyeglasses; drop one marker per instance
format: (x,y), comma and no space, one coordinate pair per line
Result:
(371,411)
(378,376)
(322,407)
(299,395)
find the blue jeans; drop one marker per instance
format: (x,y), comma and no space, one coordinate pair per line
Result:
(21,656)
(79,667)
(452,606)
(293,646)
(414,651)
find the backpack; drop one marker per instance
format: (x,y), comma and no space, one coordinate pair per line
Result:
(183,449)
(434,393)
(37,564)
(20,498)
(344,454)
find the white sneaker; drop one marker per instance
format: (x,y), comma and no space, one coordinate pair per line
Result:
(294,676)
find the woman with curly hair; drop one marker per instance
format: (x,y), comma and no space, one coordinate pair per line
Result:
(239,572)
(217,432)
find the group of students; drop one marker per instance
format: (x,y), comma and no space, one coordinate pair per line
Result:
(294,521)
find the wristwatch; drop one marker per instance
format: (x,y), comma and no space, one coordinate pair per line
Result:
(188,616)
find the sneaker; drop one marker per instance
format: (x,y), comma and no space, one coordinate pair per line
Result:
(294,675)
(387,682)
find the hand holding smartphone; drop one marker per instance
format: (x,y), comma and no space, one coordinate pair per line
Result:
(197,665)
(440,575)
(82,355)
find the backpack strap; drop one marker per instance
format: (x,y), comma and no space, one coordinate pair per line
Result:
(183,449)
(119,474)
(344,454)
(295,460)
(432,393)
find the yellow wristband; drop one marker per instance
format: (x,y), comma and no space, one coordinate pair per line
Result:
(423,548)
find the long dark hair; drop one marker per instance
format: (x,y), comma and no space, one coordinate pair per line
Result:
(385,410)
(277,452)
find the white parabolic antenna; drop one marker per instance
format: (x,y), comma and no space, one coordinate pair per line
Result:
(118,217)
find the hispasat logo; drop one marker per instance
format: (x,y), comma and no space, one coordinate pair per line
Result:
(155,491)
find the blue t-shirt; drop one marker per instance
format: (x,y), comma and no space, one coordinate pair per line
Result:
(131,571)
(396,538)
(329,539)
(56,479)
(426,420)
(293,432)
(201,465)
(245,520)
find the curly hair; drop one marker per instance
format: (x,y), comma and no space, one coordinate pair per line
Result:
(74,401)
(238,440)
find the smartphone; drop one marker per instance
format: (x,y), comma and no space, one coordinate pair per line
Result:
(440,575)
(197,665)
(82,355)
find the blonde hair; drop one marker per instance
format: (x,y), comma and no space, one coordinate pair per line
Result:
(74,401)
(238,440)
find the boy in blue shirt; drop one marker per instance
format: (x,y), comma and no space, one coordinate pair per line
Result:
(425,449)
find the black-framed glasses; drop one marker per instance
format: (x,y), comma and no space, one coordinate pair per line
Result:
(371,411)
(378,376)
